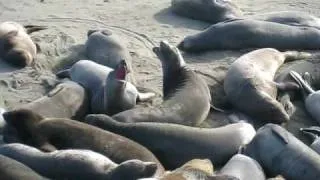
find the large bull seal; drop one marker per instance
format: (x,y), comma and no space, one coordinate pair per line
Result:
(106,48)
(279,152)
(67,100)
(77,164)
(11,169)
(183,90)
(16,46)
(249,84)
(109,92)
(212,11)
(248,33)
(176,144)
(53,133)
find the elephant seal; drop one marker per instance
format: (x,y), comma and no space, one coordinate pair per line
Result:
(311,97)
(13,170)
(77,164)
(67,100)
(243,168)
(106,48)
(109,92)
(279,152)
(50,134)
(16,46)
(313,132)
(253,34)
(212,11)
(310,69)
(293,18)
(249,84)
(175,144)
(183,90)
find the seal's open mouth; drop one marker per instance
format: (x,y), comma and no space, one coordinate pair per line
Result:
(122,70)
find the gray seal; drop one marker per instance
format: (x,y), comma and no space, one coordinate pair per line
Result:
(109,92)
(311,97)
(243,168)
(175,144)
(310,70)
(313,132)
(250,87)
(50,134)
(11,169)
(105,48)
(77,164)
(293,18)
(279,152)
(183,90)
(248,33)
(16,46)
(67,100)
(212,11)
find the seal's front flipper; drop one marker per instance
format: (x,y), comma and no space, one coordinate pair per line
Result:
(143,97)
(63,73)
(287,86)
(307,89)
(47,147)
(33,28)
(283,135)
(288,106)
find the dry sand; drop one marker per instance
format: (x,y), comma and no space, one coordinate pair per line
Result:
(140,23)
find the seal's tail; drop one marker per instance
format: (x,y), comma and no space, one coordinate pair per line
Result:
(295,55)
(63,74)
(33,28)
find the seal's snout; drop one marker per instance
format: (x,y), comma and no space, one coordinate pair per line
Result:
(122,70)
(19,58)
(150,168)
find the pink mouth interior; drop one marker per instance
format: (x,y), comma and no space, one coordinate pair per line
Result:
(121,73)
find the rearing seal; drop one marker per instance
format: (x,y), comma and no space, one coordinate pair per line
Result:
(109,92)
(183,90)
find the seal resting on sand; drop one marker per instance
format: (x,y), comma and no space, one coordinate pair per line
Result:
(183,90)
(50,134)
(77,164)
(16,46)
(249,84)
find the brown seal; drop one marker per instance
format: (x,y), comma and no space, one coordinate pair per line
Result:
(16,46)
(49,134)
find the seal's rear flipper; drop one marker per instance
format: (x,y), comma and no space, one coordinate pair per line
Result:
(147,96)
(303,84)
(33,28)
(313,132)
(63,73)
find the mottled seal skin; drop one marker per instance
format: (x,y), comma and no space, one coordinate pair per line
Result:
(50,134)
(311,97)
(67,100)
(313,132)
(212,11)
(253,34)
(293,18)
(249,84)
(243,168)
(13,170)
(106,48)
(77,164)
(304,67)
(279,152)
(199,169)
(109,92)
(175,144)
(183,90)
(16,46)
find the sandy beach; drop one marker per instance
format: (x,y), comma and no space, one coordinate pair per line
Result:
(142,24)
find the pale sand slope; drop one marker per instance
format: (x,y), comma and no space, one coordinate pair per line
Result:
(141,24)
